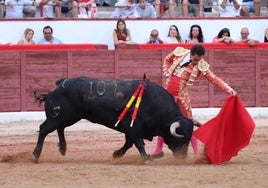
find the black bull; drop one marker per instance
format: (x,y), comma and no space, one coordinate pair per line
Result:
(102,101)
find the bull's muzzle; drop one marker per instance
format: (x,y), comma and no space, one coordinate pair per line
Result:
(173,128)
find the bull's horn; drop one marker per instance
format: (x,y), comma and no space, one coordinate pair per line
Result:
(173,128)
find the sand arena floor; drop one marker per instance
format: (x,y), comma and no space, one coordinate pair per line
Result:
(88,161)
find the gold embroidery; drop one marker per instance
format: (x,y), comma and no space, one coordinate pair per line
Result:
(203,65)
(179,51)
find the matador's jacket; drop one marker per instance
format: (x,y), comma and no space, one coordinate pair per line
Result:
(182,73)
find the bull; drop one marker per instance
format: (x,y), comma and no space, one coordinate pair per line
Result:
(103,101)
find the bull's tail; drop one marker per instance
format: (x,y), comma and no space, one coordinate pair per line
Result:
(40,98)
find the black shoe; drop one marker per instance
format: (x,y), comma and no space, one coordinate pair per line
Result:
(159,155)
(106,4)
(97,4)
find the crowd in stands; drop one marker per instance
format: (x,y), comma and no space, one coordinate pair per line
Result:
(122,36)
(132,9)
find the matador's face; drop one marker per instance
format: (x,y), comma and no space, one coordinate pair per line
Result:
(195,58)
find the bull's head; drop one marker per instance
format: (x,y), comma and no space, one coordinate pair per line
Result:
(180,136)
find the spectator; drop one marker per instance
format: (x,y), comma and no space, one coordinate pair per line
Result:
(195,6)
(66,6)
(145,9)
(223,36)
(154,37)
(84,9)
(211,6)
(14,8)
(29,11)
(163,5)
(27,37)
(121,34)
(2,8)
(48,37)
(195,35)
(125,9)
(46,8)
(244,37)
(250,6)
(106,3)
(266,35)
(230,8)
(173,35)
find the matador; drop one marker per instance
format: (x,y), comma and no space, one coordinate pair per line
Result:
(182,67)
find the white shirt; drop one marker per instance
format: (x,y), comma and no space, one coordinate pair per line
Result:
(230,10)
(171,40)
(17,10)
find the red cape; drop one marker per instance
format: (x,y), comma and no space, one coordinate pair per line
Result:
(228,132)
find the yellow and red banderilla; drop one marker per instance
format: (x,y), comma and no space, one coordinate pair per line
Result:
(138,93)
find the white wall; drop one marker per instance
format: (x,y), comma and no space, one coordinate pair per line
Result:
(100,31)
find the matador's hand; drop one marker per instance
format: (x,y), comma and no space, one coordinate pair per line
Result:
(233,92)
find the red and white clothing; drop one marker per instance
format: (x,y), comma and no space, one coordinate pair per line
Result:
(182,73)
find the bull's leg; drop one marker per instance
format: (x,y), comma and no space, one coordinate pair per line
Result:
(139,143)
(62,142)
(128,144)
(44,130)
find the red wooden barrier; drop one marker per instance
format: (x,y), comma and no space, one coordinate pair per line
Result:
(24,69)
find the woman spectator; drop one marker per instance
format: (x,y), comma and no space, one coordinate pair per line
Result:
(121,34)
(173,35)
(28,37)
(195,35)
(223,36)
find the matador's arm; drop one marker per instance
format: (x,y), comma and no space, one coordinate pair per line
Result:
(210,76)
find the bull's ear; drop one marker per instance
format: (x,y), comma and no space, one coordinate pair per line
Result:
(173,128)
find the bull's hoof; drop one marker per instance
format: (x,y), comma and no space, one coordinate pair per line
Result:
(118,153)
(35,158)
(158,155)
(147,159)
(62,149)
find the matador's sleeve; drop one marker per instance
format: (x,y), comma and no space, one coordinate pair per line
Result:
(173,60)
(203,66)
(167,63)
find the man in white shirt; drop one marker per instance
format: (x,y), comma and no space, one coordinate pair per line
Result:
(230,8)
(48,37)
(244,37)
(125,9)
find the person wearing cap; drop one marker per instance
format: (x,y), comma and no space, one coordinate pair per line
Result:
(181,68)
